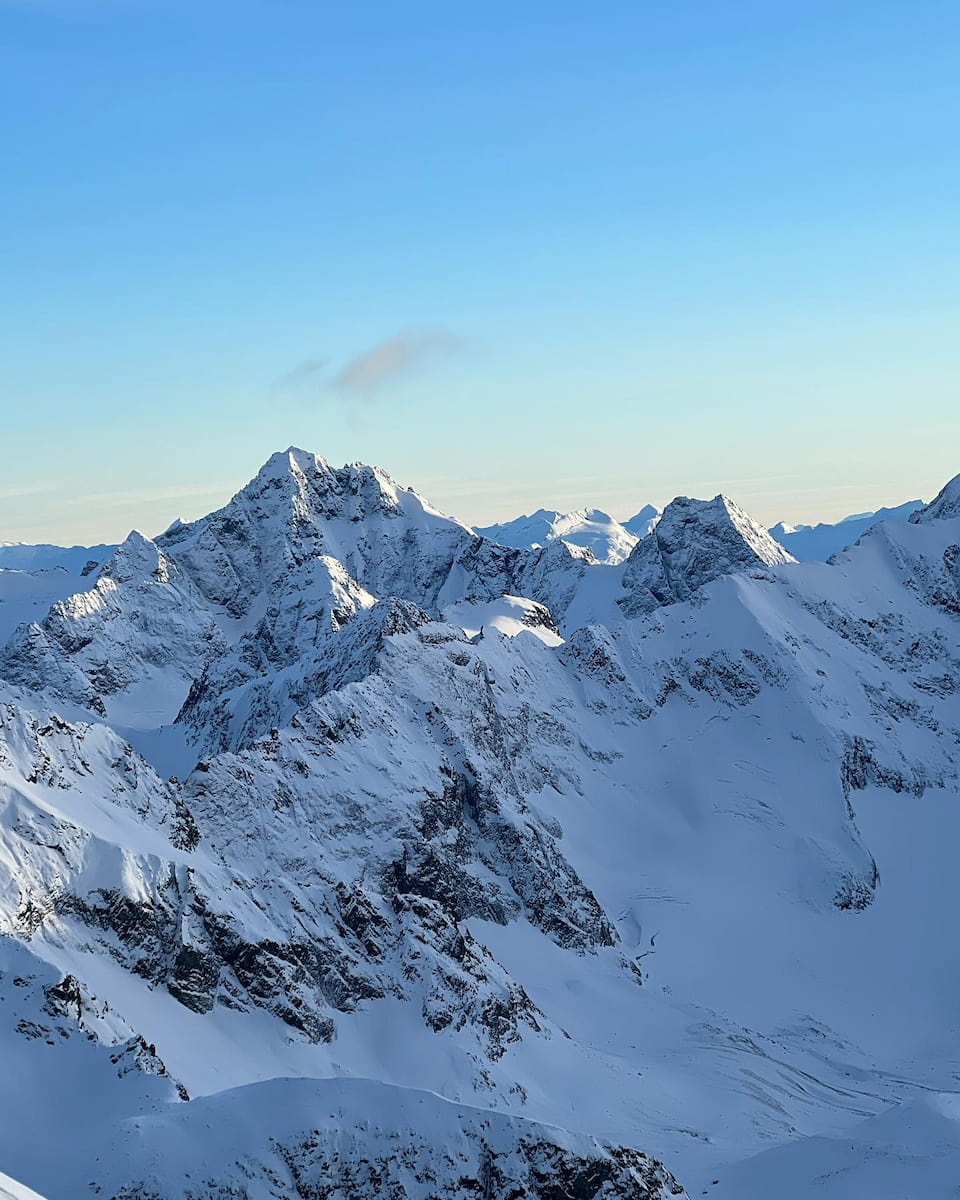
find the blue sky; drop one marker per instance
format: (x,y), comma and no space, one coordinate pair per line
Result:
(520,255)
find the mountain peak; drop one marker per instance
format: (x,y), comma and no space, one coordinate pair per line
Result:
(136,557)
(693,543)
(945,504)
(295,490)
(643,521)
(292,462)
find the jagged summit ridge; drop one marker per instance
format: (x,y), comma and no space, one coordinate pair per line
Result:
(354,490)
(693,543)
(262,585)
(298,508)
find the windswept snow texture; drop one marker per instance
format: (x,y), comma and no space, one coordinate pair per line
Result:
(608,540)
(347,853)
(817,543)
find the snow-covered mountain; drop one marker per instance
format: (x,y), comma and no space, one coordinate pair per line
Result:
(642,522)
(694,542)
(611,541)
(817,543)
(590,528)
(344,852)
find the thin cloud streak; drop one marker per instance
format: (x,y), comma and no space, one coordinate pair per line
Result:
(392,359)
(367,374)
(29,489)
(149,495)
(303,375)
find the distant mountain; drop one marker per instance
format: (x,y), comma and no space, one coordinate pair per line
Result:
(20,556)
(590,528)
(642,522)
(611,541)
(816,543)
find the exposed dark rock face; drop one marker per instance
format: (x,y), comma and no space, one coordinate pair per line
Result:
(860,768)
(693,543)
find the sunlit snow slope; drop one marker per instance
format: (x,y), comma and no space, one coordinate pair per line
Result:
(346,852)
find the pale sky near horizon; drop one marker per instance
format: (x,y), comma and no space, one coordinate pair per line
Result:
(529,255)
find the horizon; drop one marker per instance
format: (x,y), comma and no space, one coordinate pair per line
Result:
(231,490)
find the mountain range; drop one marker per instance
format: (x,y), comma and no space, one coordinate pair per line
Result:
(590,528)
(611,542)
(347,852)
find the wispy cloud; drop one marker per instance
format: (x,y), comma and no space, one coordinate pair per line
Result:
(367,374)
(14,491)
(394,358)
(309,373)
(149,495)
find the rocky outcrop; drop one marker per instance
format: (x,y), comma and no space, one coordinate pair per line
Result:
(693,543)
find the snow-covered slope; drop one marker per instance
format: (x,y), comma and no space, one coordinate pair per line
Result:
(27,596)
(817,543)
(360,1138)
(429,842)
(609,541)
(912,1150)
